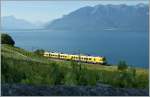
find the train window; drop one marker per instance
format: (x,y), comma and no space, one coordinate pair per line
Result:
(94,59)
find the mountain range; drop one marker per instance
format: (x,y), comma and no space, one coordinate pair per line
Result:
(11,22)
(104,18)
(97,18)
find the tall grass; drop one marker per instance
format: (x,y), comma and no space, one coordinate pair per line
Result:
(30,72)
(40,71)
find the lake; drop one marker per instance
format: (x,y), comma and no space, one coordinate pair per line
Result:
(115,46)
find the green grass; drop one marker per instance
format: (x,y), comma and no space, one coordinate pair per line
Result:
(21,66)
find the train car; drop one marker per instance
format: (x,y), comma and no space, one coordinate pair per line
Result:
(53,55)
(46,54)
(64,56)
(74,57)
(81,58)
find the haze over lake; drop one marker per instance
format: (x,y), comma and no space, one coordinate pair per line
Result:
(115,46)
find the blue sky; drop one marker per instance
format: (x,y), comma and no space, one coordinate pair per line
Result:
(44,11)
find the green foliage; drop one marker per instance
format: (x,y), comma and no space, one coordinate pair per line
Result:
(31,69)
(122,65)
(6,39)
(10,73)
(39,52)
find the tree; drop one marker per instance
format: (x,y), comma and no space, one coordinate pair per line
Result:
(7,39)
(39,52)
(122,65)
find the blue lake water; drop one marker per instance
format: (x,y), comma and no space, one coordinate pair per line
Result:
(115,46)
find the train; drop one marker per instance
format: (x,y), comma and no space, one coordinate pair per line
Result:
(76,57)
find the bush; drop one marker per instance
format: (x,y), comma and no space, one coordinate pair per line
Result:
(122,65)
(39,52)
(6,39)
(11,73)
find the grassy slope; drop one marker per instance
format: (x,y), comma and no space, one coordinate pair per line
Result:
(25,56)
(21,54)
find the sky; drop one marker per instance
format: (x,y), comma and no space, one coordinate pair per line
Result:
(44,11)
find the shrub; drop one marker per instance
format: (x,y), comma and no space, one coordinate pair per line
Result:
(39,52)
(122,65)
(56,74)
(6,39)
(70,79)
(11,73)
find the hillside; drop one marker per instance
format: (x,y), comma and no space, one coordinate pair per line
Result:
(11,22)
(104,18)
(28,70)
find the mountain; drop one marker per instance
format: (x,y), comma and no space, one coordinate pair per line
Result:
(104,17)
(10,22)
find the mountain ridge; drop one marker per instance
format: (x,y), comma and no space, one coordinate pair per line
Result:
(11,22)
(104,17)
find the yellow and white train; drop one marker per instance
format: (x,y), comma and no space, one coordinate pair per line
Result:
(82,58)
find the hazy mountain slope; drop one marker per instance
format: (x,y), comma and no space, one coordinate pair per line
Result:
(10,22)
(104,17)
